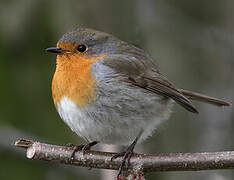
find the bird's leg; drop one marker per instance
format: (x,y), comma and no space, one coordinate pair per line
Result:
(126,155)
(82,147)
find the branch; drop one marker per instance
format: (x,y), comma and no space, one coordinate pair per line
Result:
(140,163)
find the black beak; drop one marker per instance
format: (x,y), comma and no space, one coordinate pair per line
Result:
(56,50)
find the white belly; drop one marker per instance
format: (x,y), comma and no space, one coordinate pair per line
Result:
(97,124)
(75,118)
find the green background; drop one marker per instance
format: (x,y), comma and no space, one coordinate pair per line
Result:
(192,41)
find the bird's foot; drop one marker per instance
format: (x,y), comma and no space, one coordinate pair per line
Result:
(126,158)
(82,147)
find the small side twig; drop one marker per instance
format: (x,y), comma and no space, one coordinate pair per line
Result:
(140,163)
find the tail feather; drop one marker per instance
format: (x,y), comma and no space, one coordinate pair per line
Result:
(203,98)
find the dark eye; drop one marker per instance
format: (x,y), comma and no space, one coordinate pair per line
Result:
(81,48)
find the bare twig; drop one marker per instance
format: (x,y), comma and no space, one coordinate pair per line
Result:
(140,163)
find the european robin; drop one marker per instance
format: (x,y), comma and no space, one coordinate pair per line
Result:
(107,90)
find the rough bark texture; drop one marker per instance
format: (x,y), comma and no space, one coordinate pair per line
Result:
(139,164)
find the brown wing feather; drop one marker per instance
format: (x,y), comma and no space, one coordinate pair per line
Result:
(204,98)
(159,87)
(146,75)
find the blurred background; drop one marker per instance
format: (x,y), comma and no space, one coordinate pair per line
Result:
(192,41)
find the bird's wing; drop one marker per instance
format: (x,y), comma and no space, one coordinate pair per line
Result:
(144,74)
(204,98)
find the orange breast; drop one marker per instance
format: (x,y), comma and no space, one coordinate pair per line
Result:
(73,79)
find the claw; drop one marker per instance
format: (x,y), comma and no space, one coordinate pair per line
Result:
(82,147)
(88,146)
(117,155)
(126,157)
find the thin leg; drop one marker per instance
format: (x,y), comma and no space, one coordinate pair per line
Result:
(126,155)
(82,147)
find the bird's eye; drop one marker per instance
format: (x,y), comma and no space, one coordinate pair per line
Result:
(81,48)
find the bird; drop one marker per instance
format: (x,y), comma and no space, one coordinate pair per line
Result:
(110,91)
